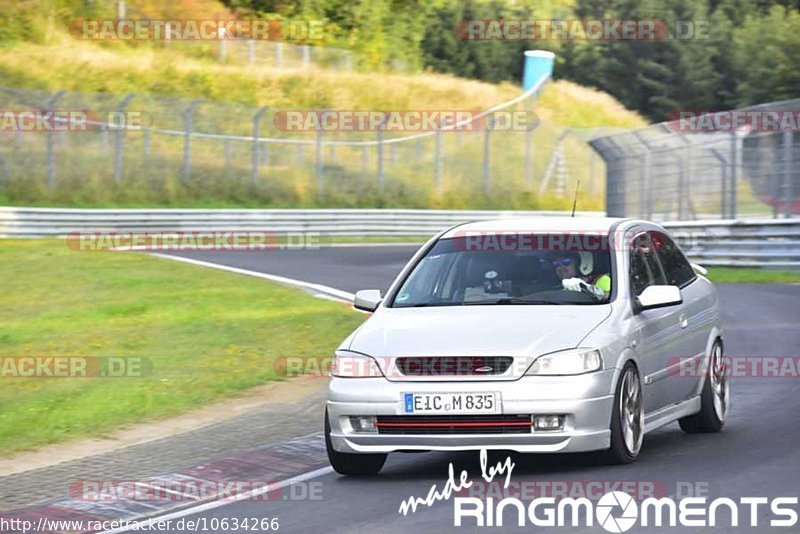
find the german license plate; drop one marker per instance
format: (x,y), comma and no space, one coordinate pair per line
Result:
(451,403)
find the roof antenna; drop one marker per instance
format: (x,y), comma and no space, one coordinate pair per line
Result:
(575,200)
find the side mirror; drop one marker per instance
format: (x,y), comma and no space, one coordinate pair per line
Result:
(367,300)
(699,269)
(659,297)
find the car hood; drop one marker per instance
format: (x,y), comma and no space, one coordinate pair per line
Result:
(522,331)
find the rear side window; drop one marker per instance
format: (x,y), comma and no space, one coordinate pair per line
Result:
(677,268)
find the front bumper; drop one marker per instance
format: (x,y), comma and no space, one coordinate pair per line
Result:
(586,400)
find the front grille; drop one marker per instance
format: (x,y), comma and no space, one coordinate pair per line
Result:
(453,424)
(454,365)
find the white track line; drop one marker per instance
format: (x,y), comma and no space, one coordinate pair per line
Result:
(328,291)
(137,525)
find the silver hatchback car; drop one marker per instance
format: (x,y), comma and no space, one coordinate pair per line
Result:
(531,335)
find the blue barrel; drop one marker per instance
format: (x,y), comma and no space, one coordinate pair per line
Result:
(538,66)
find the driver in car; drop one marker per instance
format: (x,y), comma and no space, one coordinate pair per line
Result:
(568,265)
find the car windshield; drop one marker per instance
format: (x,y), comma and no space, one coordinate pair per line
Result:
(524,269)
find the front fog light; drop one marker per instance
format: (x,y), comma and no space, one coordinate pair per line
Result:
(548,422)
(363,423)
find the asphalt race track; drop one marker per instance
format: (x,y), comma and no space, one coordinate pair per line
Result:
(757,454)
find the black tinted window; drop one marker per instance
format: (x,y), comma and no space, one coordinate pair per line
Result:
(645,268)
(676,267)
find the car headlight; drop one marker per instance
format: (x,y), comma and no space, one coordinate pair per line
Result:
(567,362)
(350,365)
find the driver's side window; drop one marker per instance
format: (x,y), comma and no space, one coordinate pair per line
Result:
(645,269)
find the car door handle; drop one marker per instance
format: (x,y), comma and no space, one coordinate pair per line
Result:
(684,321)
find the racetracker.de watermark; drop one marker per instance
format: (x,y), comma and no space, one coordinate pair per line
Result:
(580,30)
(200,241)
(403,121)
(185,490)
(197,30)
(46,366)
(76,120)
(737,367)
(559,241)
(748,120)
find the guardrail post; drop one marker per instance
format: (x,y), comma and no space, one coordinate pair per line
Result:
(226,147)
(788,175)
(437,163)
(487,154)
(51,158)
(119,138)
(306,55)
(188,116)
(255,147)
(365,158)
(278,55)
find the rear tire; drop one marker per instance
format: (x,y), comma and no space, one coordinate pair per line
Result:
(627,418)
(715,398)
(351,464)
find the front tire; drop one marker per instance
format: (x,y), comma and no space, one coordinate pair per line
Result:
(627,418)
(351,464)
(715,398)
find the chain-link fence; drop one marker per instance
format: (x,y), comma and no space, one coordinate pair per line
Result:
(696,170)
(196,153)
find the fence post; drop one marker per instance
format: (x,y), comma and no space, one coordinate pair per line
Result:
(735,155)
(320,155)
(529,156)
(487,177)
(186,171)
(306,55)
(278,55)
(223,45)
(51,161)
(380,152)
(788,189)
(251,51)
(437,161)
(682,185)
(255,147)
(146,142)
(119,139)
(648,185)
(226,147)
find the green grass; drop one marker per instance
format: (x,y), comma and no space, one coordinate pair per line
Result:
(207,335)
(730,275)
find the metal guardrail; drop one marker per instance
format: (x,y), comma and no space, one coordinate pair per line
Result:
(745,243)
(51,222)
(740,243)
